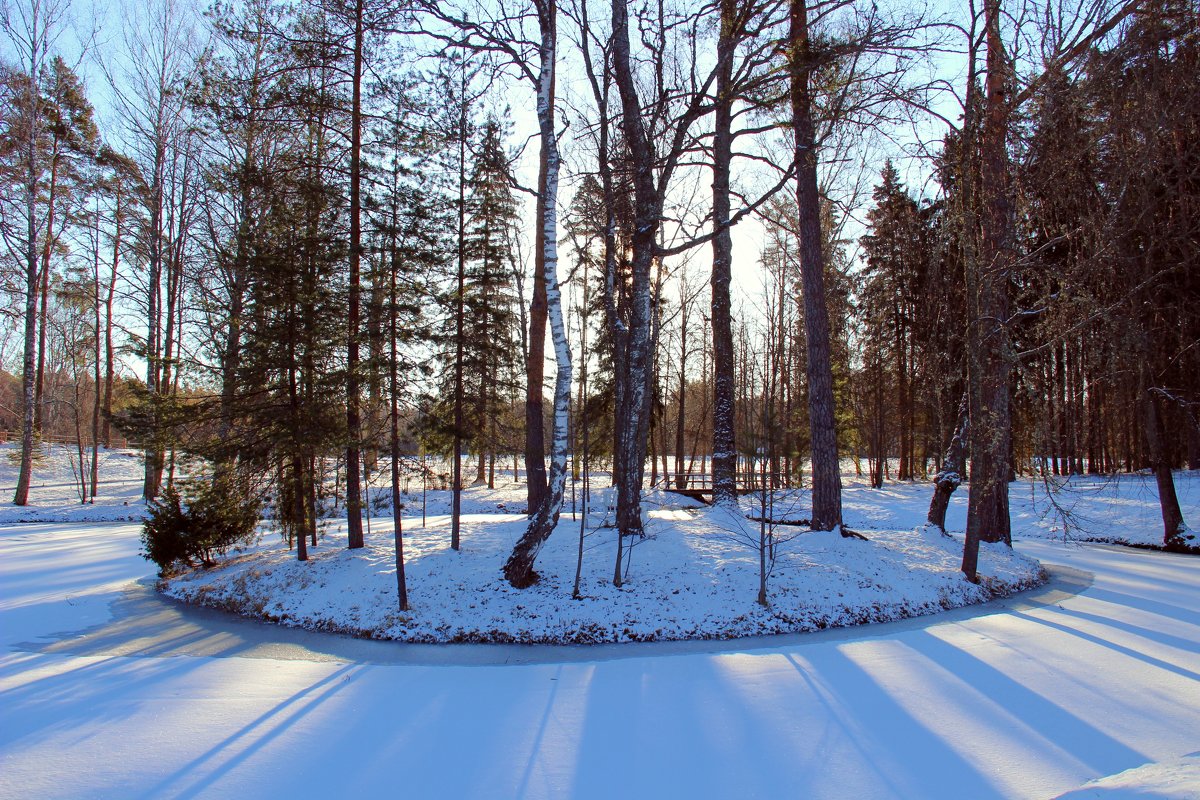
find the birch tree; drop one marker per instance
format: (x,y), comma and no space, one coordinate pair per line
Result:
(149,88)
(504,31)
(518,569)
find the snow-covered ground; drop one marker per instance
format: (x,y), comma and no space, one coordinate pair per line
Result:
(1178,779)
(695,575)
(108,690)
(1117,509)
(54,491)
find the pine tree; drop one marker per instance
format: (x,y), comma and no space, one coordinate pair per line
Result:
(456,95)
(490,354)
(827,483)
(412,225)
(896,252)
(238,92)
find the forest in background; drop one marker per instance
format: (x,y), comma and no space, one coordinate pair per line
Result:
(302,232)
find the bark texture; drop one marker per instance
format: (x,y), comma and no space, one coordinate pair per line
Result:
(518,570)
(1174,530)
(988,352)
(354,527)
(949,477)
(459,319)
(724,459)
(826,473)
(633,415)
(394,392)
(535,364)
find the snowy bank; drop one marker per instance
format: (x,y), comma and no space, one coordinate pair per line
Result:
(1178,779)
(693,577)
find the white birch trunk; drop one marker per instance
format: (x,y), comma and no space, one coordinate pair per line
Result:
(519,567)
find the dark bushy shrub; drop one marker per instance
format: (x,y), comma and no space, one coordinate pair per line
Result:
(194,526)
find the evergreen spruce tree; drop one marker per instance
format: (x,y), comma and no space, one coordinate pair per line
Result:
(895,253)
(490,354)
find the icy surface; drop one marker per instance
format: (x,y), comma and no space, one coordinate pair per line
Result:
(1085,688)
(107,690)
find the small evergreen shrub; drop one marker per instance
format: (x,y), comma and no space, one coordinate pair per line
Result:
(194,526)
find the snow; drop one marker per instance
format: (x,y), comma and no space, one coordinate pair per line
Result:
(108,690)
(1085,687)
(1113,509)
(693,576)
(54,492)
(1119,509)
(1178,779)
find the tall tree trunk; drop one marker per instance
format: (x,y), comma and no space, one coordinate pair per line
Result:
(354,528)
(152,472)
(724,460)
(485,379)
(166,380)
(376,326)
(681,410)
(47,247)
(582,426)
(518,570)
(29,363)
(459,318)
(96,347)
(297,526)
(394,420)
(1079,430)
(779,419)
(1061,463)
(80,453)
(601,84)
(37,44)
(109,349)
(535,372)
(535,363)
(987,340)
(826,472)
(230,365)
(655,435)
(904,468)
(633,432)
(879,430)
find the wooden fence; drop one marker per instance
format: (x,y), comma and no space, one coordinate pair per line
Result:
(117,442)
